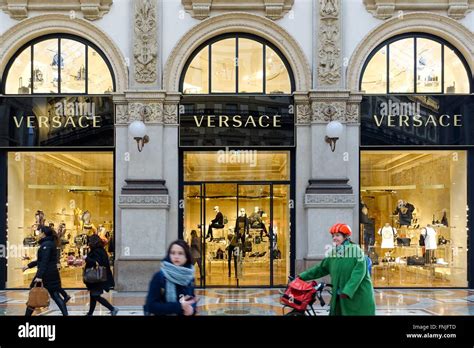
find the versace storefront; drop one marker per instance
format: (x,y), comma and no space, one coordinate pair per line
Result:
(246,129)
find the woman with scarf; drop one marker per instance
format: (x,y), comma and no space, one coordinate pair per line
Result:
(353,293)
(172,289)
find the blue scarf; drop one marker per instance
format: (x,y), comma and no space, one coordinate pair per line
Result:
(340,249)
(175,275)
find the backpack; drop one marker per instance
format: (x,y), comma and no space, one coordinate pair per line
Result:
(299,294)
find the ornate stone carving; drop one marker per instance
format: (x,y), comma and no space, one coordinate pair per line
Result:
(91,9)
(143,201)
(329,200)
(152,112)
(326,112)
(329,67)
(145,48)
(383,9)
(121,114)
(352,113)
(171,113)
(201,9)
(303,114)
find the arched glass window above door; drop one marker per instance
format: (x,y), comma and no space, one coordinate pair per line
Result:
(58,64)
(237,63)
(415,63)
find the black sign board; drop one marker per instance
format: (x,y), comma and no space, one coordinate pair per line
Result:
(62,121)
(407,120)
(244,121)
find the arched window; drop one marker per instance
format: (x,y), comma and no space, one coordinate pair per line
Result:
(237,63)
(58,64)
(415,63)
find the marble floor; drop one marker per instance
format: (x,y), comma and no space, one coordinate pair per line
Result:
(239,302)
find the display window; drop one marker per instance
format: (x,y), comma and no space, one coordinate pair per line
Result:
(56,155)
(414,217)
(72,192)
(237,63)
(239,227)
(415,63)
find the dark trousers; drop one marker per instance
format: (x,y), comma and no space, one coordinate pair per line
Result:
(229,257)
(56,298)
(94,298)
(211,226)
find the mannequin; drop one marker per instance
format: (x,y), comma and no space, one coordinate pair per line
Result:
(363,213)
(388,236)
(87,227)
(39,222)
(233,251)
(405,212)
(430,242)
(217,222)
(256,221)
(369,234)
(242,225)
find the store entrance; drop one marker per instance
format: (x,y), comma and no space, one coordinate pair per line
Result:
(242,232)
(239,231)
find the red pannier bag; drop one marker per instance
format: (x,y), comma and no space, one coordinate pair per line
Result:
(299,294)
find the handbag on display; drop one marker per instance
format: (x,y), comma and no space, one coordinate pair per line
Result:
(38,296)
(29,242)
(403,241)
(374,257)
(248,246)
(415,261)
(442,241)
(421,242)
(258,240)
(96,274)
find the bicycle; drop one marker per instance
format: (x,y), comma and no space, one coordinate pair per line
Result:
(309,309)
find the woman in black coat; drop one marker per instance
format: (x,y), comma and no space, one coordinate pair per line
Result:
(98,255)
(48,272)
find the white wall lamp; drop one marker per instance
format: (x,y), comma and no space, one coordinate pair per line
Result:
(333,132)
(137,129)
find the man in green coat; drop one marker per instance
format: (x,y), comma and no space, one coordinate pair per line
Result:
(353,293)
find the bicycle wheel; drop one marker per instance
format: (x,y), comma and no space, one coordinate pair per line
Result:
(295,313)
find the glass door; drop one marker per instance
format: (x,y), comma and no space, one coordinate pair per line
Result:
(220,207)
(281,232)
(252,227)
(193,231)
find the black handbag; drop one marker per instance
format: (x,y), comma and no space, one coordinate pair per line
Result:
(96,274)
(248,246)
(415,261)
(29,242)
(258,240)
(403,241)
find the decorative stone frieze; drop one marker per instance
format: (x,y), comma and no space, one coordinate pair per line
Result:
(273,9)
(326,111)
(90,9)
(383,9)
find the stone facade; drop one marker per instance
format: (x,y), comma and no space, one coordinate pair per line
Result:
(149,55)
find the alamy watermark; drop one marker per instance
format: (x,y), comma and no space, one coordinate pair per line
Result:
(237,156)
